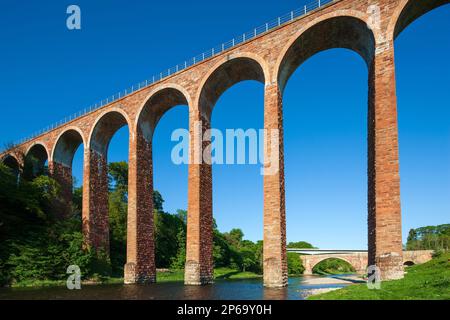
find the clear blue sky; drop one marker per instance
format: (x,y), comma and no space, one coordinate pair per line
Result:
(48,72)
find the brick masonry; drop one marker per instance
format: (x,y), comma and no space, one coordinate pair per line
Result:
(270,58)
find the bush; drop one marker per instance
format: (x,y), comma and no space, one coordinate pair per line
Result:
(333,266)
(295,266)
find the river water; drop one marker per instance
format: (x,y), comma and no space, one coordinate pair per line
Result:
(249,289)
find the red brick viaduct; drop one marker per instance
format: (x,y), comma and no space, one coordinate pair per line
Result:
(270,58)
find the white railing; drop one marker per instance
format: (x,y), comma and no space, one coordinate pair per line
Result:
(189,63)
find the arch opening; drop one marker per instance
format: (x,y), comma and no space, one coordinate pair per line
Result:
(36,162)
(12,163)
(236,87)
(422,77)
(224,77)
(325,151)
(105,129)
(108,187)
(333,266)
(66,147)
(155,108)
(165,111)
(412,10)
(408,263)
(339,32)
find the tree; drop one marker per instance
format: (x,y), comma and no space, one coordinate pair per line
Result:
(300,245)
(118,175)
(430,237)
(157,201)
(295,266)
(234,237)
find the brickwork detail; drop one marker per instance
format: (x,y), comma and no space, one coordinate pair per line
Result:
(199,268)
(140,267)
(98,219)
(274,251)
(62,175)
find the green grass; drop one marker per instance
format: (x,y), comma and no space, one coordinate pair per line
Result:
(219,273)
(230,274)
(162,277)
(429,281)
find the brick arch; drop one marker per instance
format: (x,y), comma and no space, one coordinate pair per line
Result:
(95,178)
(104,128)
(341,29)
(407,12)
(141,266)
(66,145)
(157,103)
(38,144)
(229,71)
(39,151)
(11,162)
(337,258)
(409,263)
(9,158)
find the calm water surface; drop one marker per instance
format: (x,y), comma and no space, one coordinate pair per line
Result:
(250,289)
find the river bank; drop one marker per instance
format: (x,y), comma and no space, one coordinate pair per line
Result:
(430,280)
(163,276)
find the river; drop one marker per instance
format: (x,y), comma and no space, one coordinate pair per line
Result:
(249,289)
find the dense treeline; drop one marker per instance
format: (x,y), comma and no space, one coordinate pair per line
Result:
(429,238)
(35,245)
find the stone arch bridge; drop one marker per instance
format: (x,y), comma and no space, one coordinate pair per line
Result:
(368,27)
(358,259)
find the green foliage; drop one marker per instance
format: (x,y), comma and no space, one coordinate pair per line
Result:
(170,230)
(300,245)
(157,201)
(429,238)
(295,266)
(118,212)
(333,266)
(118,175)
(179,260)
(230,250)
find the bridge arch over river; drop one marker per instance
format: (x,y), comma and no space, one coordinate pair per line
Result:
(358,259)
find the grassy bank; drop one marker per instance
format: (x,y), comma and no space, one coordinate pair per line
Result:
(170,276)
(429,281)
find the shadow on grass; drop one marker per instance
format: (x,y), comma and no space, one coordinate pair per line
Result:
(228,275)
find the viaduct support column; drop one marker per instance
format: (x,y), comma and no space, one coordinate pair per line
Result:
(63,175)
(274,251)
(95,201)
(140,267)
(384,213)
(199,267)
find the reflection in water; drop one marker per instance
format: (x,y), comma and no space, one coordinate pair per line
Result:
(276,294)
(251,289)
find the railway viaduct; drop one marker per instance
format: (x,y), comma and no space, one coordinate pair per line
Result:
(269,57)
